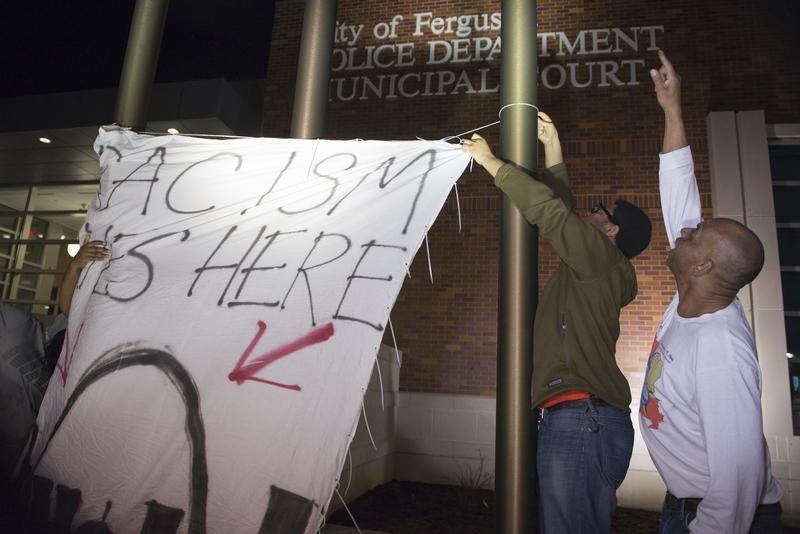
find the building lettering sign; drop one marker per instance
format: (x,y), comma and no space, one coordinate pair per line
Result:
(460,55)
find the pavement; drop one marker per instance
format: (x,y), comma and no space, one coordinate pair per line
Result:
(337,529)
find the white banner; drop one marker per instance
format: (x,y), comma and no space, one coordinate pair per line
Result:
(214,367)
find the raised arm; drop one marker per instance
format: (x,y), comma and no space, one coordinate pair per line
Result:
(577,243)
(667,84)
(89,251)
(680,198)
(555,173)
(548,136)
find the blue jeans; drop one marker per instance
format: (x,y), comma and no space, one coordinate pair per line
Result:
(674,521)
(582,458)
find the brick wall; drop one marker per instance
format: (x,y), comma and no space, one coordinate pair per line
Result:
(732,56)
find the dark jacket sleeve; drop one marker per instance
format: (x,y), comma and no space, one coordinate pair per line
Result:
(584,248)
(556,179)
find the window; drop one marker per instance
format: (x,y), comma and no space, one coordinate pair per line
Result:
(37,224)
(785,168)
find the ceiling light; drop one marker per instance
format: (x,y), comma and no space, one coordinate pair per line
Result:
(45,140)
(172,131)
(789,355)
(63,236)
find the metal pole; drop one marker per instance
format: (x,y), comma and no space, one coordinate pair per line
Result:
(141,59)
(515,463)
(313,69)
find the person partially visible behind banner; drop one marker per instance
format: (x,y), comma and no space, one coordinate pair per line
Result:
(28,356)
(700,411)
(585,437)
(91,250)
(23,380)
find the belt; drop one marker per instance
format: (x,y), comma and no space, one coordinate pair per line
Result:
(689,505)
(578,403)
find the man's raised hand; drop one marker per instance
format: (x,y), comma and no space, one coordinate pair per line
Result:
(547,130)
(667,84)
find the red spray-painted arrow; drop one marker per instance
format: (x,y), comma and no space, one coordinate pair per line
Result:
(69,354)
(242,372)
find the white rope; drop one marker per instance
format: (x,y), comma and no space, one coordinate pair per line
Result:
(448,138)
(458,204)
(428,250)
(314,155)
(366,424)
(212,136)
(458,136)
(380,380)
(499,113)
(324,520)
(394,340)
(353,519)
(349,471)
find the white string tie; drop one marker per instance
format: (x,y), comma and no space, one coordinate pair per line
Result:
(349,471)
(499,113)
(394,340)
(211,136)
(314,155)
(428,250)
(366,425)
(458,136)
(380,380)
(458,203)
(353,519)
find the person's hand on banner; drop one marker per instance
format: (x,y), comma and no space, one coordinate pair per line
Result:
(91,250)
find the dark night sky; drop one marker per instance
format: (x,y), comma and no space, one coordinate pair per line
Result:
(68,45)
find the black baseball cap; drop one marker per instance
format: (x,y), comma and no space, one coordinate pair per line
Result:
(634,228)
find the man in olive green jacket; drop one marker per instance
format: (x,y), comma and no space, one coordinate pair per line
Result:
(585,431)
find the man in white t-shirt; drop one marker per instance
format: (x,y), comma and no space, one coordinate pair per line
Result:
(700,412)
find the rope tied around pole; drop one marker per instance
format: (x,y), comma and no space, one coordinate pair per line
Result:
(499,116)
